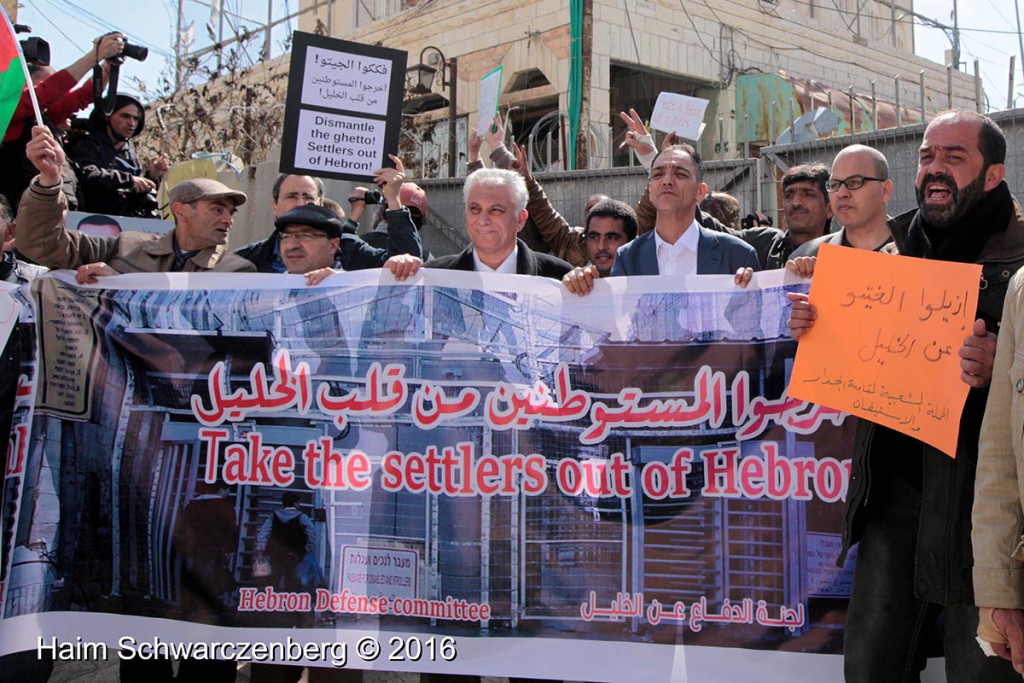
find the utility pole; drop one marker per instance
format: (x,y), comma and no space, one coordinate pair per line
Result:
(177,48)
(1020,40)
(270,24)
(956,37)
(583,133)
(220,35)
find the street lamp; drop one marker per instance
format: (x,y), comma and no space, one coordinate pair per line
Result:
(422,77)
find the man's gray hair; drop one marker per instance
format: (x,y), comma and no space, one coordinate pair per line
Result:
(499,177)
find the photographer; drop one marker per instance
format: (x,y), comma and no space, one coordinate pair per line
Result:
(412,198)
(57,100)
(111,178)
(52,86)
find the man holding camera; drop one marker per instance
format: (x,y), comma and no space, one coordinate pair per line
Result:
(53,91)
(412,197)
(111,177)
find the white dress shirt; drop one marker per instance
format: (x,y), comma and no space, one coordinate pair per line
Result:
(679,258)
(507,266)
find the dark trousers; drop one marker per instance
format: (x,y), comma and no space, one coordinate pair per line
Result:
(25,667)
(889,631)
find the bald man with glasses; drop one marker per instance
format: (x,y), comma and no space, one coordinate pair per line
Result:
(859,191)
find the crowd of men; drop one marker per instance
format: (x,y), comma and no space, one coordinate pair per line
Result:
(102,172)
(938,537)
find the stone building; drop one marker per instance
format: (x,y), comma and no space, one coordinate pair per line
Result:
(750,58)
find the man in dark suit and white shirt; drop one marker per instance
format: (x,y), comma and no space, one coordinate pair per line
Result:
(495,213)
(678,245)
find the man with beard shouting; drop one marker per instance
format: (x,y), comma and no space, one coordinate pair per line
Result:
(909,505)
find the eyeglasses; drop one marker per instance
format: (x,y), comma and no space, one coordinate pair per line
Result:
(854,182)
(300,236)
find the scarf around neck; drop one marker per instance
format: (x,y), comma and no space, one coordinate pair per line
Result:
(964,241)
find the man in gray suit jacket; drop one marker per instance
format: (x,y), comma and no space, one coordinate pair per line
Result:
(678,245)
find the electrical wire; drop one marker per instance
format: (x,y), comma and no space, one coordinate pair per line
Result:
(50,22)
(842,15)
(105,22)
(682,5)
(906,19)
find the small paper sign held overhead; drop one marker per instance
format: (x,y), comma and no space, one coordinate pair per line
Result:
(490,91)
(679,114)
(343,111)
(885,344)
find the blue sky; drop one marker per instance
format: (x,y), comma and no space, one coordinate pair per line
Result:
(987,32)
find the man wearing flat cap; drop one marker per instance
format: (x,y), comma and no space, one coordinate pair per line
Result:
(203,214)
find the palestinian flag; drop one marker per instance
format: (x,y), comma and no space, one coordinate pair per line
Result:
(12,72)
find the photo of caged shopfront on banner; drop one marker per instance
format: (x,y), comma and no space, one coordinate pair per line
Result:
(485,473)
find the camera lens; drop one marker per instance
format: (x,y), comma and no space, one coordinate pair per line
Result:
(135,52)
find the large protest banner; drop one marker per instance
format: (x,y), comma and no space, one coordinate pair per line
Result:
(465,473)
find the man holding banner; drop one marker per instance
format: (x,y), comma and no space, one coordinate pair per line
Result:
(909,505)
(495,213)
(203,210)
(679,244)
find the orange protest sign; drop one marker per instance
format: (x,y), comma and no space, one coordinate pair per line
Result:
(886,341)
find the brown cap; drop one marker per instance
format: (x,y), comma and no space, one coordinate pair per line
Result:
(204,188)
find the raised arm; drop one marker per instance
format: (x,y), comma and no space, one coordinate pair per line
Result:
(563,241)
(42,234)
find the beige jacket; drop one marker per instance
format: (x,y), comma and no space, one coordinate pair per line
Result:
(43,237)
(997,519)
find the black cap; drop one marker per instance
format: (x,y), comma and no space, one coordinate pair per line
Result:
(313,216)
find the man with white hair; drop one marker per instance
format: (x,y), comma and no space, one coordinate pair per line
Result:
(495,213)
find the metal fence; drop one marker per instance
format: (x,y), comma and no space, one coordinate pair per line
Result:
(755,182)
